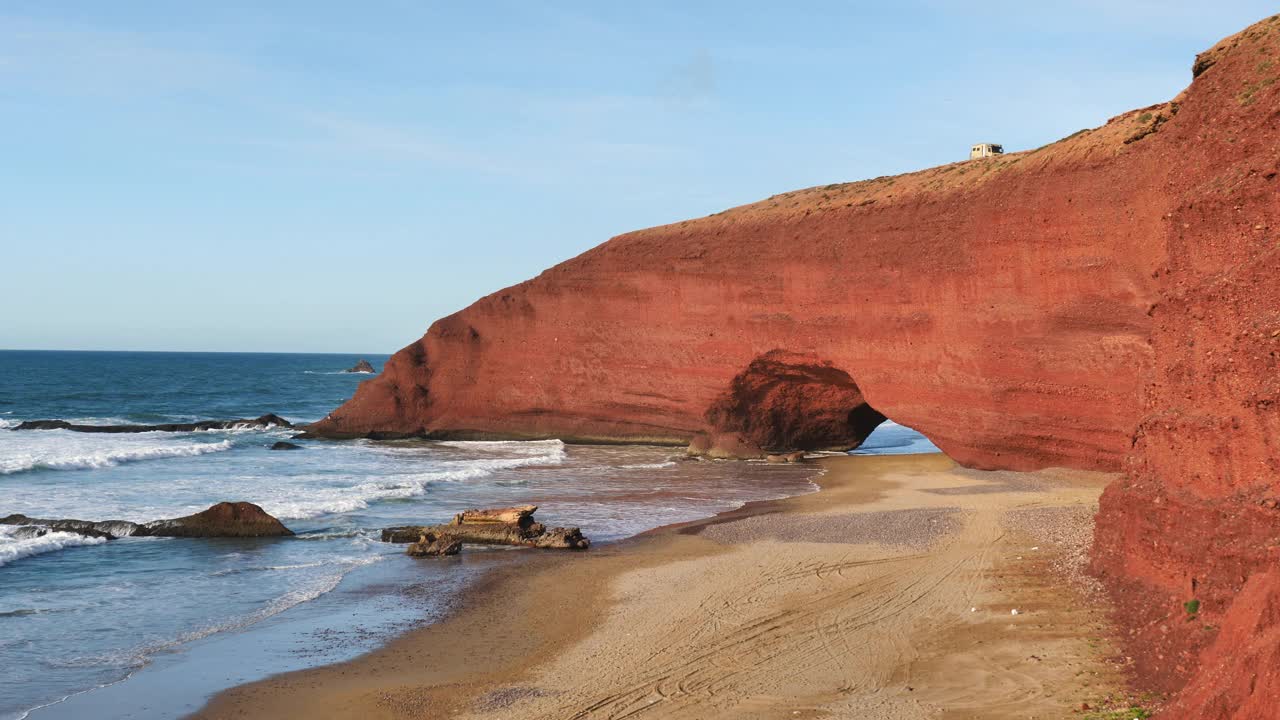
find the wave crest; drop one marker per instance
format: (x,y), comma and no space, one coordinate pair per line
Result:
(12,549)
(80,457)
(358,497)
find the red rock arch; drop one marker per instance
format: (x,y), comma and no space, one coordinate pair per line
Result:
(784,401)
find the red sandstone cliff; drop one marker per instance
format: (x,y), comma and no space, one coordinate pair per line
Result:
(999,306)
(1108,301)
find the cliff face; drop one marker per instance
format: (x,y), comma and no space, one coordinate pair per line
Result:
(999,306)
(1110,301)
(1197,517)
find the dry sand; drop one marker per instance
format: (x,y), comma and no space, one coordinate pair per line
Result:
(887,595)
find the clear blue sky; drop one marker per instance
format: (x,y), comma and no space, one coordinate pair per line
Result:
(332,176)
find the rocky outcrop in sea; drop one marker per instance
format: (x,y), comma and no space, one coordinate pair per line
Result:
(223,520)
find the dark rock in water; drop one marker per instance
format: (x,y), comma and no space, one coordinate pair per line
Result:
(227,519)
(88,528)
(29,532)
(361,367)
(282,445)
(268,420)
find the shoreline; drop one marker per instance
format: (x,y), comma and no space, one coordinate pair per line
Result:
(335,615)
(577,635)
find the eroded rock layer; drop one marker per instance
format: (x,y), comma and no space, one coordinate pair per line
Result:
(1108,301)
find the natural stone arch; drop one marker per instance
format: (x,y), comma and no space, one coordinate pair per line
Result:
(785,401)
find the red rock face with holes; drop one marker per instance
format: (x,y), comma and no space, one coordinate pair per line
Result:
(1110,301)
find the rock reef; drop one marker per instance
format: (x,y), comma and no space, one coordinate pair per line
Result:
(223,520)
(265,421)
(1109,301)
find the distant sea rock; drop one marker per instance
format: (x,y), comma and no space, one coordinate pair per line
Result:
(284,445)
(361,367)
(268,420)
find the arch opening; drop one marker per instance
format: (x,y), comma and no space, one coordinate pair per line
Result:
(891,438)
(784,402)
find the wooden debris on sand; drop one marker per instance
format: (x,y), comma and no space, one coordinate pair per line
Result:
(496,526)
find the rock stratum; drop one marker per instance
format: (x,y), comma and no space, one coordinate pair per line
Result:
(1109,301)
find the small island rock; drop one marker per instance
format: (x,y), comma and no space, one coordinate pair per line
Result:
(361,367)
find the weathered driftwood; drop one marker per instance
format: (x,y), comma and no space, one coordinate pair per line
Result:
(497,515)
(500,526)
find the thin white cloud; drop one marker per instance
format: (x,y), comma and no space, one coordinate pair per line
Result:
(81,60)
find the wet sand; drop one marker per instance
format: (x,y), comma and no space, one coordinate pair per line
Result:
(886,595)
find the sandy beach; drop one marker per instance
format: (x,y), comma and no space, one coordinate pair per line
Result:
(888,594)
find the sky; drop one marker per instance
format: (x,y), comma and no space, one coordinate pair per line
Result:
(320,176)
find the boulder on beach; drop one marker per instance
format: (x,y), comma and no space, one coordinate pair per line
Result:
(361,367)
(284,445)
(226,519)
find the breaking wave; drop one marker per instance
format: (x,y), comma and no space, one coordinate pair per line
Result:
(402,487)
(648,466)
(12,548)
(518,446)
(74,455)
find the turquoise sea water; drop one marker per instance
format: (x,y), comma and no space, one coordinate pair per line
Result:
(147,628)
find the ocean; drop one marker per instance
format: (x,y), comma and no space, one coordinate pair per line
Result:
(150,627)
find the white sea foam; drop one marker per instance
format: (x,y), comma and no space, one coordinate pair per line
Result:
(12,549)
(648,466)
(335,372)
(311,590)
(273,568)
(61,450)
(519,446)
(325,501)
